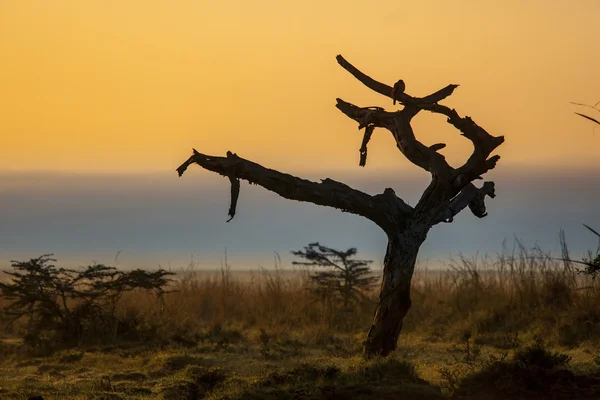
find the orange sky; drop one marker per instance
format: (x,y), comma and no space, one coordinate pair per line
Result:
(120,86)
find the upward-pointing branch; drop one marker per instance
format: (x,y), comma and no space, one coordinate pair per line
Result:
(398,123)
(386,90)
(483,143)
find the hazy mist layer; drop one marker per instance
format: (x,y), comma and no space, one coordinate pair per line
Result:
(160,219)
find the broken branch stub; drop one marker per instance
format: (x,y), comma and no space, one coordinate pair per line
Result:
(363,147)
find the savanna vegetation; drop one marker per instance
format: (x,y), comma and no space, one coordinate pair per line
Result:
(521,324)
(450,191)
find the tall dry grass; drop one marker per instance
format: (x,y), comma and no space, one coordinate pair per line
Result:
(519,292)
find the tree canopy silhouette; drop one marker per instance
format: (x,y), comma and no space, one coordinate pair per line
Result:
(67,304)
(343,274)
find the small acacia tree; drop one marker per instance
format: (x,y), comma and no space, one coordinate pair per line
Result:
(344,275)
(66,303)
(449,192)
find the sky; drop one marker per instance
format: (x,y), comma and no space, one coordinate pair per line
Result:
(102,100)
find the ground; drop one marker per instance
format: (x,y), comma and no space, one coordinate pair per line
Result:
(252,366)
(521,326)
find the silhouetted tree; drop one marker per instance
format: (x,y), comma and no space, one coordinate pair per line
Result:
(62,301)
(343,275)
(450,191)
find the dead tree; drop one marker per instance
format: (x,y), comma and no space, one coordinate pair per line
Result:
(450,191)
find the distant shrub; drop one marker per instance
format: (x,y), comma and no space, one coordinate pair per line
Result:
(537,355)
(342,276)
(64,305)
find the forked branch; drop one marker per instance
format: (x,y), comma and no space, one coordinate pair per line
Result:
(386,90)
(398,123)
(470,196)
(483,143)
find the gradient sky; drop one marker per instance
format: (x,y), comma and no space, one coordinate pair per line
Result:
(97,93)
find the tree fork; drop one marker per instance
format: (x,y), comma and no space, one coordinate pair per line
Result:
(451,190)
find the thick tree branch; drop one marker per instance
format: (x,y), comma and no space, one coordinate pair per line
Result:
(385,209)
(386,90)
(484,143)
(398,123)
(470,196)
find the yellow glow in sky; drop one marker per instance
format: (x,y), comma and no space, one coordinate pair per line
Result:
(121,86)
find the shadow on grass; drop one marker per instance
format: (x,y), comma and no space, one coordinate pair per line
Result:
(533,373)
(381,379)
(198,382)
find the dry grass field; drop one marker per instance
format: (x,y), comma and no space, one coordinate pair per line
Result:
(518,325)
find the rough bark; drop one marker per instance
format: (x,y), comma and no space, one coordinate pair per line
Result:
(394,296)
(450,191)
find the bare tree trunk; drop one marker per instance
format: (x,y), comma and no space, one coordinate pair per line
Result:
(394,297)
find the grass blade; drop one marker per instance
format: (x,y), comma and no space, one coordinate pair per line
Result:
(590,118)
(596,233)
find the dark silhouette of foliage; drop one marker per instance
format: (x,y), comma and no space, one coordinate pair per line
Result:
(592,261)
(344,276)
(537,354)
(65,304)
